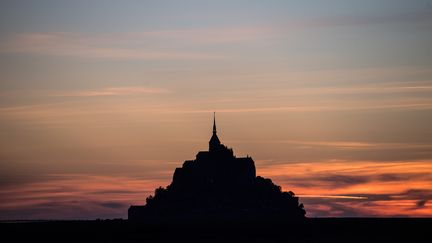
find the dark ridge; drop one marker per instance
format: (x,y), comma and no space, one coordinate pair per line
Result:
(218,186)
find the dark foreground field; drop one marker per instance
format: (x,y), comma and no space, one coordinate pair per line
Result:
(312,230)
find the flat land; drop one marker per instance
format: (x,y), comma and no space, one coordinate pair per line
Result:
(311,230)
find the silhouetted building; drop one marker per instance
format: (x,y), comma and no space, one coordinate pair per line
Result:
(218,186)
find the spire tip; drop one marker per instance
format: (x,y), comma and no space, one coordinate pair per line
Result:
(214,122)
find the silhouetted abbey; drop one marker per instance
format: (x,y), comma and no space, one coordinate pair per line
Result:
(218,186)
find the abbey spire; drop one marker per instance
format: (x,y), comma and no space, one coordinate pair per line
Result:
(214,142)
(214,122)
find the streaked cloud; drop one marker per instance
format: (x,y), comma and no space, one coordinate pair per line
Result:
(357,188)
(177,44)
(75,196)
(153,45)
(349,145)
(63,44)
(116,91)
(332,196)
(413,106)
(375,88)
(330,188)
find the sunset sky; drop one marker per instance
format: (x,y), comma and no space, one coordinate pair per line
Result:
(101,100)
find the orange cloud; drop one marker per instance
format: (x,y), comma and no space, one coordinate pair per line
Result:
(75,196)
(357,188)
(328,189)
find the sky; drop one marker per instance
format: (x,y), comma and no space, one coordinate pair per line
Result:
(101,100)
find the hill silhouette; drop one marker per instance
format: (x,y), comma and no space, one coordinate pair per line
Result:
(218,186)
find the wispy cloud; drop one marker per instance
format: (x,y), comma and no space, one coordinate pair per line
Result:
(357,188)
(332,196)
(179,43)
(331,92)
(349,145)
(116,91)
(152,45)
(64,112)
(331,188)
(75,196)
(75,45)
(307,108)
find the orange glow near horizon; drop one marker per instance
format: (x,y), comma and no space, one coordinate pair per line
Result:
(330,189)
(364,188)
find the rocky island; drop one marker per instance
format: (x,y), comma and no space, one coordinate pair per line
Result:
(218,186)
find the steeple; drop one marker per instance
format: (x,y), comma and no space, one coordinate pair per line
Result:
(214,142)
(214,122)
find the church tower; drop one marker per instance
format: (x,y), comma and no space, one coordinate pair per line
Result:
(214,142)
